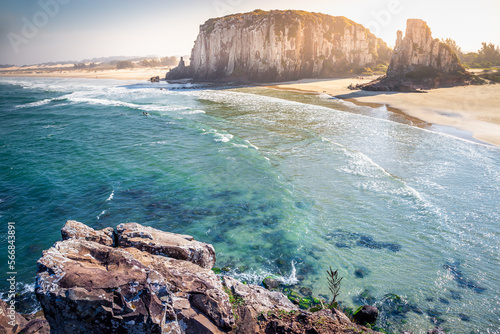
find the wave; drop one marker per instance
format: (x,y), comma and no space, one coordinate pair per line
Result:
(220,137)
(117,103)
(193,112)
(34,104)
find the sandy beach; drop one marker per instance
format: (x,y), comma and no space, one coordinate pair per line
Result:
(122,74)
(475,109)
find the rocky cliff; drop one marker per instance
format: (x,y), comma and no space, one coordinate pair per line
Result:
(281,45)
(420,61)
(137,279)
(418,51)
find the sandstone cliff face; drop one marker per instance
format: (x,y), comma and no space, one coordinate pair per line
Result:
(281,45)
(418,50)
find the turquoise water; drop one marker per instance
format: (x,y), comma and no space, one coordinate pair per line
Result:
(278,182)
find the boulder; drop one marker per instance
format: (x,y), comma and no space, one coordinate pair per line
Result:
(10,320)
(366,315)
(87,287)
(272,282)
(258,299)
(303,322)
(77,230)
(36,326)
(177,246)
(436,330)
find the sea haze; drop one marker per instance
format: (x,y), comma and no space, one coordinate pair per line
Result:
(279,182)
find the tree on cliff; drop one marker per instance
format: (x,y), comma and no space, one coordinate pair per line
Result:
(487,56)
(454,46)
(489,53)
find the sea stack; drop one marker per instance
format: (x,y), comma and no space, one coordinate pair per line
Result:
(418,51)
(265,46)
(419,61)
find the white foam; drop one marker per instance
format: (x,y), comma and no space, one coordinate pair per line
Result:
(117,103)
(34,104)
(240,145)
(292,278)
(220,137)
(256,277)
(252,145)
(99,216)
(111,196)
(193,112)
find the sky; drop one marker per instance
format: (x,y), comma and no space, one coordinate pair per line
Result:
(37,31)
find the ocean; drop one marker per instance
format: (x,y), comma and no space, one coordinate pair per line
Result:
(280,182)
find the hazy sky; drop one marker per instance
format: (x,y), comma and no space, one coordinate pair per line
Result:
(35,31)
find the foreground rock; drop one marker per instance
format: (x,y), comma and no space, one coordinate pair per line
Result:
(265,46)
(420,62)
(181,247)
(76,230)
(150,281)
(12,322)
(89,287)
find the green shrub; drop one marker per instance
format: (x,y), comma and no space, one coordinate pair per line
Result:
(124,64)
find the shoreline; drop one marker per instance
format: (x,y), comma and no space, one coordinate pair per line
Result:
(122,74)
(467,112)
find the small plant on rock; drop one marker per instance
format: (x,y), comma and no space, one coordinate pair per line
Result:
(333,285)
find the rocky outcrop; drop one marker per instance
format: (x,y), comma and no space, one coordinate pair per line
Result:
(418,52)
(179,72)
(280,45)
(419,61)
(141,280)
(153,241)
(76,230)
(140,287)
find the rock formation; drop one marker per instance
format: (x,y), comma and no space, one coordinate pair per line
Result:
(89,287)
(12,322)
(141,280)
(419,61)
(179,72)
(280,45)
(418,52)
